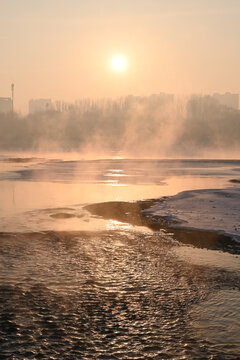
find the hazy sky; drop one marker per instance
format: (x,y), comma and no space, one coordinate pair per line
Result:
(62,48)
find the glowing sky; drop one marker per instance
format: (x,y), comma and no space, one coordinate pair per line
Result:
(61,48)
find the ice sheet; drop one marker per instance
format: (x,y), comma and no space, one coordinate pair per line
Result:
(210,209)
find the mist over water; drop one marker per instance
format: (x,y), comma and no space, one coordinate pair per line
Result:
(119,213)
(75,285)
(136,127)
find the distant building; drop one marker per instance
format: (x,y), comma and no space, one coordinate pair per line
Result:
(154,99)
(228,99)
(40,105)
(161,98)
(6,105)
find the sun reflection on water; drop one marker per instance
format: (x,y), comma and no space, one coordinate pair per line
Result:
(117,225)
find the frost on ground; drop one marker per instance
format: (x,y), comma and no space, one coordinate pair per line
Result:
(208,209)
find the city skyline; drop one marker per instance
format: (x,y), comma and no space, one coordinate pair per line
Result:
(44,104)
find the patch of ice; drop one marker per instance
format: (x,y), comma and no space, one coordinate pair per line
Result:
(208,209)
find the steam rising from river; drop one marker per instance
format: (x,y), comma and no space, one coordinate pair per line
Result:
(135,127)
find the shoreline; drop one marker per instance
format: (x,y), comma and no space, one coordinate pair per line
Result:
(157,215)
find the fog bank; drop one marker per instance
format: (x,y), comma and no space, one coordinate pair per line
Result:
(143,127)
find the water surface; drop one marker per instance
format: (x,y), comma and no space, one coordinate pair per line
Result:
(77,286)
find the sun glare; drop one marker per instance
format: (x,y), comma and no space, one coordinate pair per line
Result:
(119,63)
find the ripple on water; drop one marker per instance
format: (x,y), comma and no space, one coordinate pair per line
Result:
(106,295)
(218,320)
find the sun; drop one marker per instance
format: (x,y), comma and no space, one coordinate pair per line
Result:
(119,63)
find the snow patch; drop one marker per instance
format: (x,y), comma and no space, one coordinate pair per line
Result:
(208,209)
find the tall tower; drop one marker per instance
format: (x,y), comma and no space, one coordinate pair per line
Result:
(12,88)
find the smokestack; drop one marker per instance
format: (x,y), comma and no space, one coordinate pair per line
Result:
(12,88)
